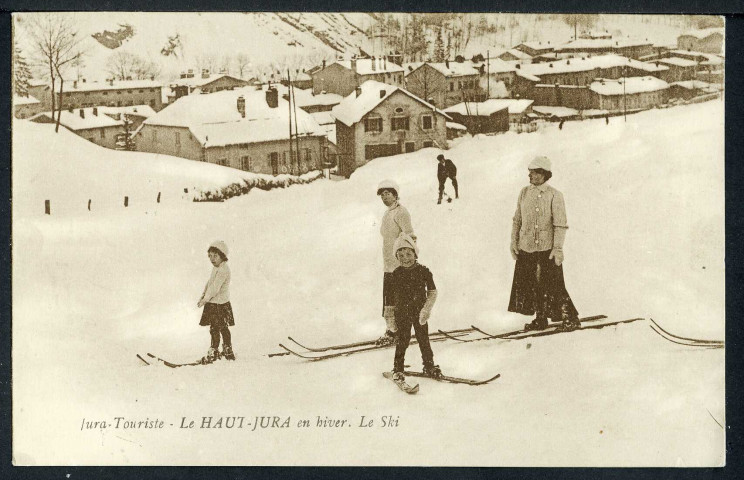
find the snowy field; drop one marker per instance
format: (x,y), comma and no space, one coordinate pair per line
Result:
(645,204)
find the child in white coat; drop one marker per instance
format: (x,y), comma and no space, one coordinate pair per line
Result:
(215,299)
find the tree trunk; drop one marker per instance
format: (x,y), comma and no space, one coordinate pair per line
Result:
(59,114)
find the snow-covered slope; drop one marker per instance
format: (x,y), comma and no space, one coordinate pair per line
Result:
(645,207)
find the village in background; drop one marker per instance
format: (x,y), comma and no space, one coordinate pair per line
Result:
(327,93)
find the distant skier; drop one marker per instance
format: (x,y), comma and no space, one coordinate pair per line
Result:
(538,232)
(446,169)
(396,220)
(215,299)
(414,294)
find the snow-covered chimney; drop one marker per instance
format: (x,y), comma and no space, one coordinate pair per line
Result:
(272,97)
(74,84)
(358,91)
(241,105)
(95,111)
(324,64)
(82,113)
(382,93)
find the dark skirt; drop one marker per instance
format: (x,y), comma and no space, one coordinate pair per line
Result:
(538,288)
(217,315)
(387,291)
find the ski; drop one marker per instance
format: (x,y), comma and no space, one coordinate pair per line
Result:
(361,344)
(173,365)
(402,384)
(523,331)
(347,352)
(554,330)
(686,339)
(685,343)
(445,378)
(145,361)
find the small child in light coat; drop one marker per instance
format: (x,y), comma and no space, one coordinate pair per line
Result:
(215,299)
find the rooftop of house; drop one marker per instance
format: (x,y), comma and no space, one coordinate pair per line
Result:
(710,58)
(305,98)
(676,61)
(538,45)
(490,106)
(138,110)
(369,66)
(448,69)
(518,54)
(216,121)
(85,86)
(75,121)
(198,80)
(631,85)
(703,33)
(692,84)
(582,64)
(372,93)
(29,100)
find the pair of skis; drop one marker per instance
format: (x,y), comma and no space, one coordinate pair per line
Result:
(686,341)
(413,389)
(166,362)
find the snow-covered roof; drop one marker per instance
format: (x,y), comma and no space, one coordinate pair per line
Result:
(587,44)
(710,58)
(526,75)
(115,85)
(490,106)
(454,69)
(198,81)
(455,126)
(19,100)
(364,66)
(139,110)
(215,120)
(703,33)
(537,45)
(497,65)
(324,118)
(692,84)
(571,65)
(353,107)
(75,122)
(595,34)
(518,54)
(632,85)
(305,98)
(677,62)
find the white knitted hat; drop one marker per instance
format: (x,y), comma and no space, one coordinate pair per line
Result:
(405,241)
(540,161)
(219,245)
(388,185)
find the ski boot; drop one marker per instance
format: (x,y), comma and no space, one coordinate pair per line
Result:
(399,377)
(433,371)
(387,339)
(537,324)
(227,352)
(569,325)
(212,355)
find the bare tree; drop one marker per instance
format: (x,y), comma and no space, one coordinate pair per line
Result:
(127,66)
(57,45)
(242,62)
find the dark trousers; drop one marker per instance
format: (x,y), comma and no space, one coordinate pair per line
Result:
(442,181)
(538,288)
(404,322)
(215,331)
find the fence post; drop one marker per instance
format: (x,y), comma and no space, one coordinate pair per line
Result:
(158,197)
(47,207)
(126,201)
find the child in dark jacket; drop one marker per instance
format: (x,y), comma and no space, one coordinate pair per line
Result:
(215,299)
(414,294)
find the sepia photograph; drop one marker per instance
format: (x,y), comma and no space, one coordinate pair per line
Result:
(368,239)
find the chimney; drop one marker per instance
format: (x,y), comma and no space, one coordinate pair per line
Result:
(205,73)
(385,63)
(568,62)
(82,113)
(272,97)
(83,80)
(382,93)
(358,91)
(519,66)
(241,105)
(446,63)
(324,64)
(74,84)
(374,66)
(111,82)
(95,111)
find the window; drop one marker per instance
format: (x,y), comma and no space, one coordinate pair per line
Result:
(222,161)
(105,93)
(152,103)
(274,160)
(245,163)
(129,91)
(428,143)
(427,122)
(373,124)
(103,133)
(141,91)
(452,86)
(399,123)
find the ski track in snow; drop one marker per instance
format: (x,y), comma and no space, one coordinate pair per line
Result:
(645,208)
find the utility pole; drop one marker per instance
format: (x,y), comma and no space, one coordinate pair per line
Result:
(625,100)
(488,74)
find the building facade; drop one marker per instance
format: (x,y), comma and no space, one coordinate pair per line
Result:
(445,84)
(343,76)
(382,120)
(84,94)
